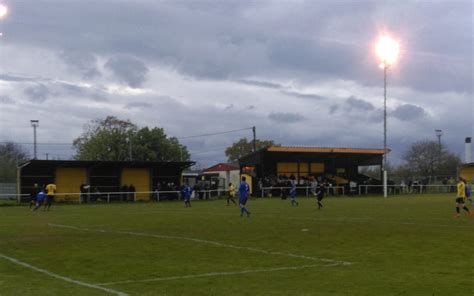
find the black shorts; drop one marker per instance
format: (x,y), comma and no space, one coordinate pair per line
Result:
(460,200)
(49,198)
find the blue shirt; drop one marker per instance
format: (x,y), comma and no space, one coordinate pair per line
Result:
(293,191)
(187,191)
(244,190)
(40,196)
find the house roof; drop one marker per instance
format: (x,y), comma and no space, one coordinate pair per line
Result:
(325,150)
(221,167)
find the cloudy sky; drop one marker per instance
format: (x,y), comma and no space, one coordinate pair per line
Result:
(303,72)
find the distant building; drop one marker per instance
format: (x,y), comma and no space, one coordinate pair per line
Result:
(223,173)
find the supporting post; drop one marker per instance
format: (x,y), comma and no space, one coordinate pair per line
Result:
(254,139)
(385,130)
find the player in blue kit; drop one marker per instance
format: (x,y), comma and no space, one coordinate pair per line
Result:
(40,197)
(293,193)
(186,192)
(244,190)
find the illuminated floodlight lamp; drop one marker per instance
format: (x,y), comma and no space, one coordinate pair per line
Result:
(387,49)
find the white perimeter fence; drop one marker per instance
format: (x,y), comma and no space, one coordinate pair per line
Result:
(278,192)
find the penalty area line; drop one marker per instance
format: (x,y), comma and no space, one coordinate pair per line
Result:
(60,277)
(331,262)
(210,274)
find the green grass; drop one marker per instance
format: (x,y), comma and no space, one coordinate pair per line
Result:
(408,245)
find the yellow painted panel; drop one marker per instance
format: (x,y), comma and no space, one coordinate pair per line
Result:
(317,167)
(304,167)
(468,174)
(69,180)
(287,168)
(140,178)
(248,179)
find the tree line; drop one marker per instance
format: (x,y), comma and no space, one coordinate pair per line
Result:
(114,139)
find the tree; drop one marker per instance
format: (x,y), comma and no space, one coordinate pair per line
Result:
(10,156)
(115,139)
(427,158)
(244,147)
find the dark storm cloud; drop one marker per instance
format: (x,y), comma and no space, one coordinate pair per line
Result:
(97,95)
(84,62)
(128,69)
(38,93)
(353,103)
(15,78)
(285,117)
(408,112)
(143,105)
(242,39)
(333,109)
(229,107)
(260,84)
(6,100)
(376,116)
(302,95)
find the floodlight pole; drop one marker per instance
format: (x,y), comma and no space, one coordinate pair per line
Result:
(34,124)
(384,169)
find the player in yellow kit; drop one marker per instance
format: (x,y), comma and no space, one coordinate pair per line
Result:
(231,195)
(50,191)
(461,198)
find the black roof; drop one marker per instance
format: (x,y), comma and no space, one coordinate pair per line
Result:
(95,163)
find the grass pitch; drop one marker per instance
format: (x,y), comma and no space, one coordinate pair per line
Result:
(408,245)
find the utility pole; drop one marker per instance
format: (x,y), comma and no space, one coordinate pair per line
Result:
(254,139)
(130,156)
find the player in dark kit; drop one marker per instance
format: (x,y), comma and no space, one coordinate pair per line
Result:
(320,195)
(244,190)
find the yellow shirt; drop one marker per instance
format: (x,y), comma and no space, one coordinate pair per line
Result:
(50,189)
(461,190)
(232,190)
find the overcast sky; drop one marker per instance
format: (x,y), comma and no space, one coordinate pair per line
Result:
(303,72)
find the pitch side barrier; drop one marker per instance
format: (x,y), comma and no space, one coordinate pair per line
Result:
(277,191)
(405,189)
(14,196)
(120,196)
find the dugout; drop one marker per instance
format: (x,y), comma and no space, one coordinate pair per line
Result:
(340,164)
(102,176)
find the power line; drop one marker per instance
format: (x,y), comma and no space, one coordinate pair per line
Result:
(216,133)
(69,144)
(179,138)
(206,151)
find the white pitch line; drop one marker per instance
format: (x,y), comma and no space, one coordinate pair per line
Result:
(219,244)
(210,274)
(16,261)
(341,221)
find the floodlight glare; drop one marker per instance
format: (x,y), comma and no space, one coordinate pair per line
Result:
(387,50)
(3,10)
